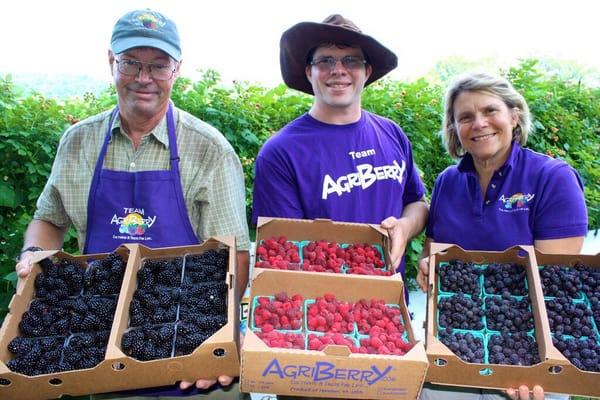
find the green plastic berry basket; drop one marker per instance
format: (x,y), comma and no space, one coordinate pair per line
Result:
(291,266)
(590,318)
(360,335)
(476,334)
(351,337)
(490,335)
(441,291)
(519,299)
(154,327)
(305,243)
(307,304)
(255,328)
(525,290)
(379,251)
(580,295)
(441,298)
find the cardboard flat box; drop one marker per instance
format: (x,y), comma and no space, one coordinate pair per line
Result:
(323,229)
(554,373)
(333,372)
(216,356)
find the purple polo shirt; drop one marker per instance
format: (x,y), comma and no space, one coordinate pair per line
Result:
(531,197)
(360,172)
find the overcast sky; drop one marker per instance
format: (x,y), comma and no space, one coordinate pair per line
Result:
(240,38)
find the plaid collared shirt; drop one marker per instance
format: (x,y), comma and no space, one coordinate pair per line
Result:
(211,174)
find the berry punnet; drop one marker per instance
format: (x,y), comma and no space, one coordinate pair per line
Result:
(284,340)
(277,253)
(323,256)
(560,281)
(320,341)
(498,278)
(36,356)
(513,349)
(149,342)
(105,276)
(364,259)
(459,277)
(59,280)
(280,312)
(567,317)
(210,266)
(582,353)
(85,350)
(374,312)
(164,273)
(508,314)
(467,346)
(379,341)
(328,314)
(461,312)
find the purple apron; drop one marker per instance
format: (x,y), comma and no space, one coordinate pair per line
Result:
(145,207)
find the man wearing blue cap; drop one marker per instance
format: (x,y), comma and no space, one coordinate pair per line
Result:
(144,155)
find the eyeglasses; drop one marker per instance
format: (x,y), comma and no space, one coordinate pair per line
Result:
(327,64)
(160,72)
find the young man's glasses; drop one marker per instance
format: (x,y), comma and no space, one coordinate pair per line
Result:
(160,72)
(327,64)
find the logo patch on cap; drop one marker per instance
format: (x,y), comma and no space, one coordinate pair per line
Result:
(150,21)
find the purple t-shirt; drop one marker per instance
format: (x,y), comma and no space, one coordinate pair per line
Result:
(360,172)
(531,197)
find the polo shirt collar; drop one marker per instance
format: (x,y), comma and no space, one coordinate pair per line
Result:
(159,132)
(466,162)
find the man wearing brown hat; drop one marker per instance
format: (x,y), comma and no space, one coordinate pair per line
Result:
(339,161)
(178,175)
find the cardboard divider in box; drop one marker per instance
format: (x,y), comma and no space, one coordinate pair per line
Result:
(323,229)
(75,382)
(333,372)
(217,355)
(571,379)
(447,368)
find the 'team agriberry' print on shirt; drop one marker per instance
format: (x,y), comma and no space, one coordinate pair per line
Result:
(531,197)
(360,172)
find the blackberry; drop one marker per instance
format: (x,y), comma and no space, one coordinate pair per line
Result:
(508,314)
(149,342)
(498,278)
(461,312)
(210,266)
(560,281)
(189,337)
(460,277)
(154,306)
(513,349)
(105,276)
(582,353)
(569,318)
(43,356)
(466,346)
(160,273)
(86,350)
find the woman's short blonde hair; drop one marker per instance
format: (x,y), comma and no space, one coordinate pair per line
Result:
(483,82)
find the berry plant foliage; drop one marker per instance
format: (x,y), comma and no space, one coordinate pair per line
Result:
(178,304)
(68,322)
(365,326)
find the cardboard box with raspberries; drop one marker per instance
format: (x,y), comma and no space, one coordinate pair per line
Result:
(329,332)
(322,246)
(501,319)
(135,318)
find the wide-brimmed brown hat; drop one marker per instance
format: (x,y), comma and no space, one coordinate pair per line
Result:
(300,39)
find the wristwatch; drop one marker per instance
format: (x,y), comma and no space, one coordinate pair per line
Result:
(30,248)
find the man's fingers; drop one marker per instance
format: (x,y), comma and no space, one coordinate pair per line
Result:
(538,393)
(183,385)
(23,267)
(524,392)
(225,380)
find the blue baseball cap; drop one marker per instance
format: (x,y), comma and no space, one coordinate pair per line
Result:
(146,28)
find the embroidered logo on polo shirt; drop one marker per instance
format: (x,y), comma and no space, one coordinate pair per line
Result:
(365,176)
(133,225)
(517,202)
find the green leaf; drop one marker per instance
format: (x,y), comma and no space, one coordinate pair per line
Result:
(8,197)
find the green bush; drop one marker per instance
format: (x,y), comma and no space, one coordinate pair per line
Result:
(566,118)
